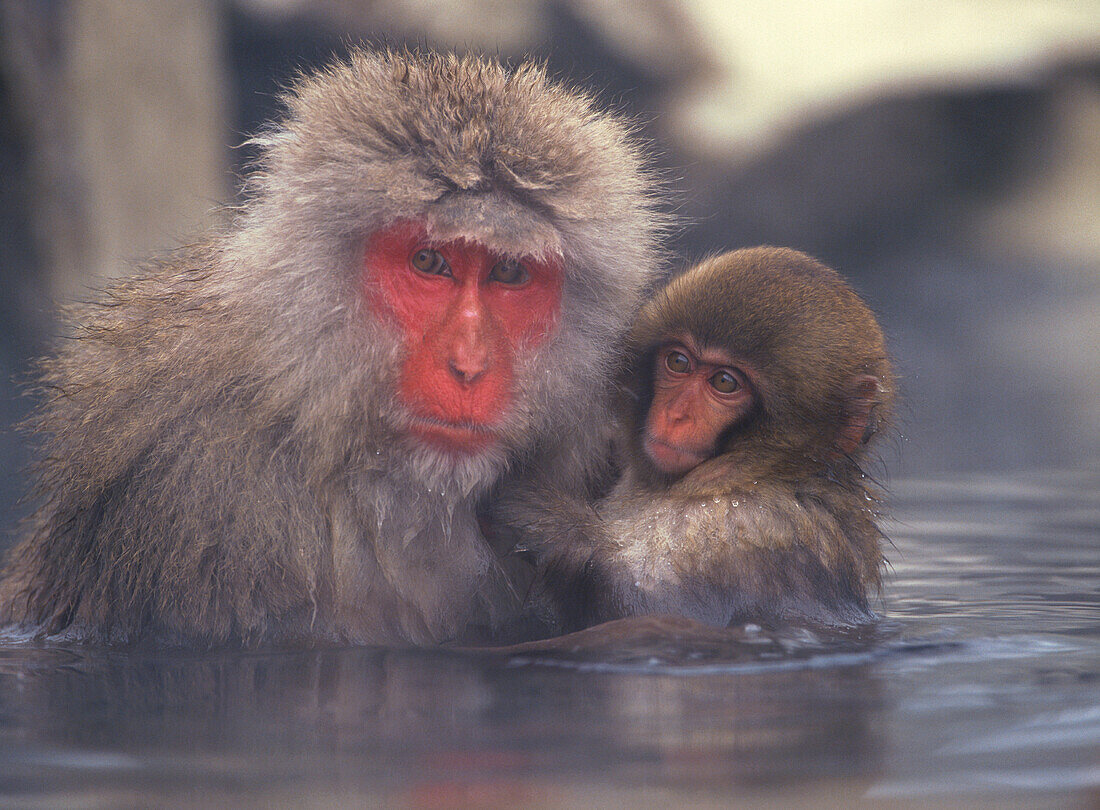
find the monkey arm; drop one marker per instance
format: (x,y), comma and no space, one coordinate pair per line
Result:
(576,577)
(777,552)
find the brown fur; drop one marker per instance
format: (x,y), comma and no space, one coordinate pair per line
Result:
(224,460)
(780,523)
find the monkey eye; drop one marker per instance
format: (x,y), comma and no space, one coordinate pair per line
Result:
(431,262)
(677,362)
(512,273)
(724,382)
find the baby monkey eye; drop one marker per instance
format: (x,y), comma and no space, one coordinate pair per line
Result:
(677,362)
(511,273)
(431,262)
(724,383)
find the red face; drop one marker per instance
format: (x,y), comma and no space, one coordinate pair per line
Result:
(697,394)
(466,313)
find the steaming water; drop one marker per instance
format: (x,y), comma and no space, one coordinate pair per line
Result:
(980,687)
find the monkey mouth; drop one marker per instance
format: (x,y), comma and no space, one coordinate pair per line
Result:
(457,435)
(673,459)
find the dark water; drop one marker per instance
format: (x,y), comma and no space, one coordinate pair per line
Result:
(980,687)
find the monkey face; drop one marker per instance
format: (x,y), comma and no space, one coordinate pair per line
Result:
(698,393)
(465,314)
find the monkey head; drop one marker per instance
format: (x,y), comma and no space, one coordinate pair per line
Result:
(761,355)
(462,244)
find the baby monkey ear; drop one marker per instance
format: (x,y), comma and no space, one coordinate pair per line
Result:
(863,394)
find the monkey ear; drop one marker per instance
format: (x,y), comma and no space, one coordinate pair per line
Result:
(863,394)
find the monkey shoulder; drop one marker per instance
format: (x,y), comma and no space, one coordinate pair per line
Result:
(141,529)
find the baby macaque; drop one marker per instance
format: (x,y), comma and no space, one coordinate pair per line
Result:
(755,382)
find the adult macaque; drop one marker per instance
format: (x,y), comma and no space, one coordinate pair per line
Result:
(756,381)
(280,435)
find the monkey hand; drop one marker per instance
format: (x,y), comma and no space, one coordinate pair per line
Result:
(564,538)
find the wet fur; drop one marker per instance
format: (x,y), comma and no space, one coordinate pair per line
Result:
(223,458)
(778,526)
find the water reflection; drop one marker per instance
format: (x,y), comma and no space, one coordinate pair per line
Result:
(979,687)
(403,720)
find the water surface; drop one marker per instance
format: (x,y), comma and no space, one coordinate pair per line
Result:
(979,687)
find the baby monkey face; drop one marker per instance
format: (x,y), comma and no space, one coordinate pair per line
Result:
(698,392)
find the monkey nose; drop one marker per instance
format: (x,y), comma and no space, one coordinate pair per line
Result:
(464,376)
(468,366)
(468,351)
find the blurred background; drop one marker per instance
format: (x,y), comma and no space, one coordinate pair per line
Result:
(944,155)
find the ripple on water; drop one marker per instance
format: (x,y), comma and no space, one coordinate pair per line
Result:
(980,685)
